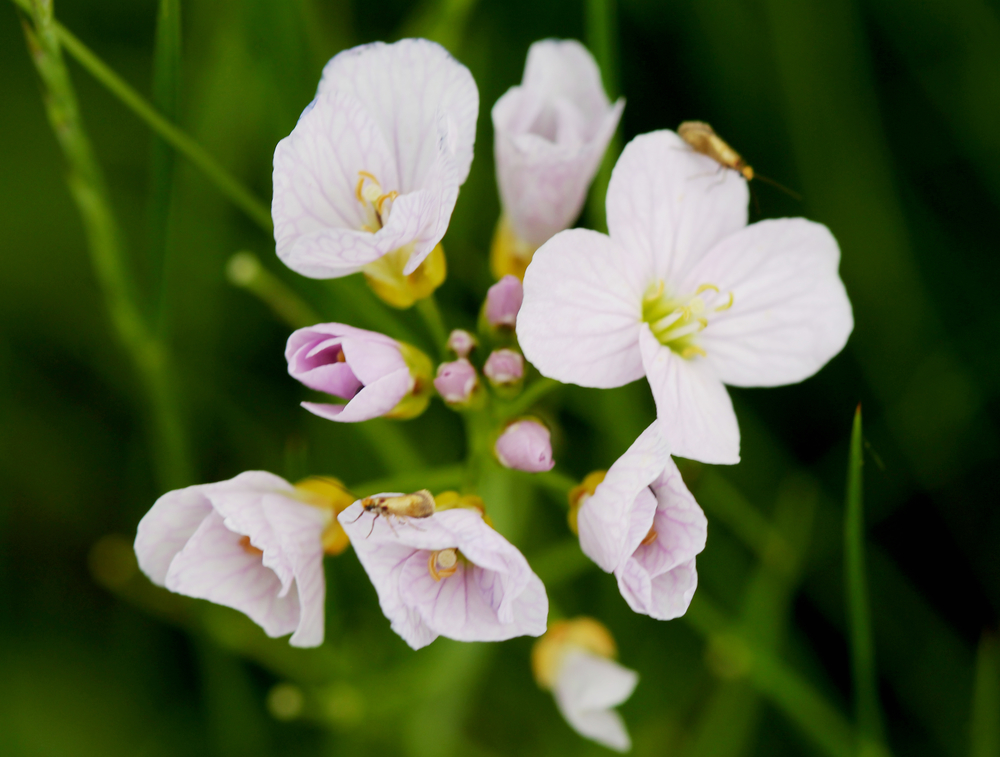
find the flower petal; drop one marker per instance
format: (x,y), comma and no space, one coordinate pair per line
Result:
(215,566)
(373,401)
(318,219)
(586,689)
(582,311)
(409,88)
(605,519)
(664,597)
(564,68)
(790,312)
(692,404)
(668,205)
(166,528)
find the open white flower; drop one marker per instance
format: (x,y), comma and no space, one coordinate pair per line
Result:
(250,543)
(375,162)
(449,575)
(550,135)
(642,524)
(684,292)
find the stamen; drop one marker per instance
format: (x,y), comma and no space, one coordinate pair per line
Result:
(727,305)
(249,548)
(707,288)
(676,320)
(443,563)
(650,537)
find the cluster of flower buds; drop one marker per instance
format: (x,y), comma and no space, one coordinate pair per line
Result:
(681,291)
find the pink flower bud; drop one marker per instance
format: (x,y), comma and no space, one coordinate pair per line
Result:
(456,381)
(461,342)
(503,300)
(504,367)
(525,445)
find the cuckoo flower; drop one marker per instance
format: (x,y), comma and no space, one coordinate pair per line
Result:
(250,543)
(375,374)
(642,524)
(685,293)
(375,162)
(449,574)
(573,660)
(525,445)
(551,133)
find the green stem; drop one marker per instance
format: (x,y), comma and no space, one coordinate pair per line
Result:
(524,401)
(245,270)
(431,315)
(180,141)
(86,184)
(600,21)
(862,644)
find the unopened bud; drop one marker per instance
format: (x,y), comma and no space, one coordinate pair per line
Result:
(504,368)
(525,445)
(461,342)
(503,300)
(457,382)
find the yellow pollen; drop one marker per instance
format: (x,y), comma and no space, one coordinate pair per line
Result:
(676,321)
(443,563)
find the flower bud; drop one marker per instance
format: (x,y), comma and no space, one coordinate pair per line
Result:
(457,382)
(386,278)
(378,376)
(525,445)
(461,342)
(504,369)
(503,300)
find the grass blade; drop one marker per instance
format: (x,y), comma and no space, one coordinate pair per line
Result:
(869,717)
(986,700)
(601,23)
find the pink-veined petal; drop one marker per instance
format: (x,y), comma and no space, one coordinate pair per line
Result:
(214,565)
(692,404)
(373,401)
(668,205)
(582,311)
(586,689)
(166,528)
(410,88)
(790,312)
(563,68)
(606,518)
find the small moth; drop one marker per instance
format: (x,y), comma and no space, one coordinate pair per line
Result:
(420,504)
(702,138)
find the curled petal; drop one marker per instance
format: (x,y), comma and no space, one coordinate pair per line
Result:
(790,312)
(582,311)
(374,401)
(692,404)
(587,687)
(668,205)
(622,504)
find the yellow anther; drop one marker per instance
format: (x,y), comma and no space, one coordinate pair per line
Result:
(691,350)
(655,294)
(381,200)
(650,537)
(442,564)
(249,548)
(707,288)
(727,305)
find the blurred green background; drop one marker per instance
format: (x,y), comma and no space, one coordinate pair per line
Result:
(884,114)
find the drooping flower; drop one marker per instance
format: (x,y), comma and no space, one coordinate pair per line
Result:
(375,374)
(574,661)
(550,136)
(456,382)
(374,164)
(685,293)
(251,543)
(449,575)
(642,524)
(525,445)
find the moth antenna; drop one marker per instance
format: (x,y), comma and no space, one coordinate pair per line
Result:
(363,511)
(372,529)
(794,195)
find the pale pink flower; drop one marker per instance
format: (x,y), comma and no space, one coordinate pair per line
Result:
(525,445)
(550,136)
(504,367)
(456,381)
(375,374)
(643,525)
(503,301)
(587,688)
(461,342)
(685,293)
(447,575)
(249,543)
(375,162)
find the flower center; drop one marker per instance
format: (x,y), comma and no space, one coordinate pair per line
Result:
(677,321)
(443,563)
(373,200)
